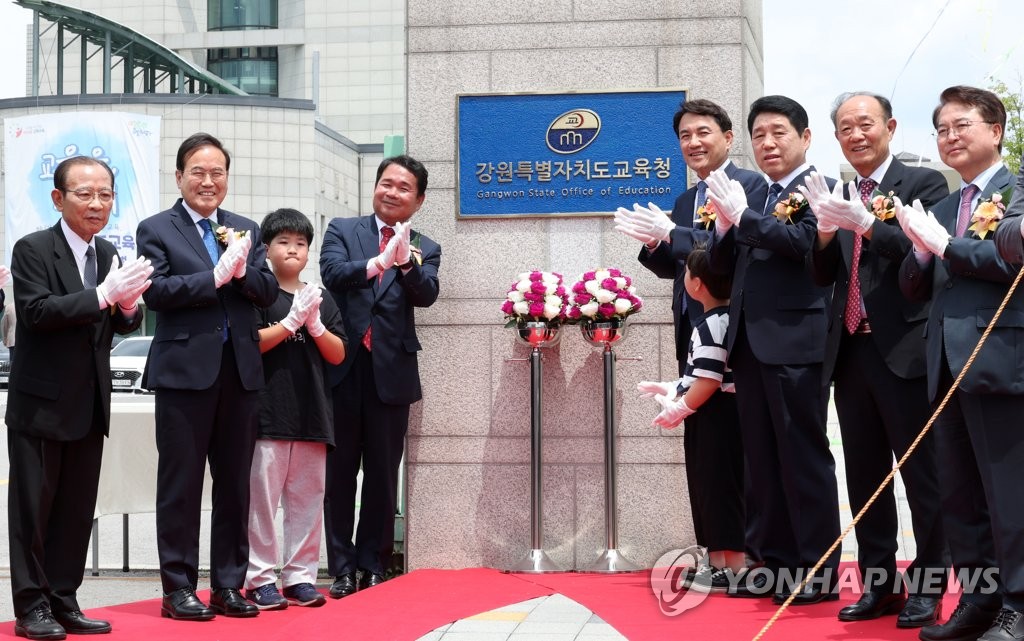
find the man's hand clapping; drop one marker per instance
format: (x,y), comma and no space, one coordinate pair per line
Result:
(228,265)
(125,283)
(924,231)
(649,224)
(403,251)
(729,199)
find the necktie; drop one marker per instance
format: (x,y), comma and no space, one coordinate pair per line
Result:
(773,197)
(702,195)
(89,276)
(854,309)
(964,218)
(386,234)
(209,240)
(211,249)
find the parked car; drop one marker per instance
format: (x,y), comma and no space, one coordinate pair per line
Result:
(127,362)
(5,366)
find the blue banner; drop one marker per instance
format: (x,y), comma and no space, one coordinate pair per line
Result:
(567,154)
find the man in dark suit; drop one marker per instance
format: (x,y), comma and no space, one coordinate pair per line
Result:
(978,437)
(378,271)
(875,353)
(705,138)
(776,345)
(206,369)
(58,404)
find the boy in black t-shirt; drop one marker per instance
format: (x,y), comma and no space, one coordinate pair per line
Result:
(300,334)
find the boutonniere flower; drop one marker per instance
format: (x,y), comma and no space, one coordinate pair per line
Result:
(882,205)
(536,296)
(989,213)
(792,205)
(706,214)
(222,234)
(602,295)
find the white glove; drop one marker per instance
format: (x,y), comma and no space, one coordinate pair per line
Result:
(131,298)
(850,214)
(123,280)
(625,224)
(5,275)
(227,264)
(386,259)
(403,251)
(240,271)
(650,389)
(652,221)
(314,324)
(903,214)
(728,196)
(816,191)
(302,302)
(673,412)
(932,234)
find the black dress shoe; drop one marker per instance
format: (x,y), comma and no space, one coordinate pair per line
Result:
(872,605)
(810,595)
(369,579)
(183,604)
(74,622)
(752,583)
(1008,626)
(38,623)
(920,611)
(344,585)
(967,623)
(231,603)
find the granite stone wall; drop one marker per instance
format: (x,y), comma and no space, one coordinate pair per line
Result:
(468,455)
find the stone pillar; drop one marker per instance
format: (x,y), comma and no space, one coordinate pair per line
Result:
(469,439)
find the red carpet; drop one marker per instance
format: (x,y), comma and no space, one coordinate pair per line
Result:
(410,606)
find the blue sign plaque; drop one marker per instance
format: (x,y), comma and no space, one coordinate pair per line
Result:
(566,154)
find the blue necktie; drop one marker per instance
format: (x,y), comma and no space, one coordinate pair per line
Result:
(702,194)
(773,197)
(211,248)
(209,240)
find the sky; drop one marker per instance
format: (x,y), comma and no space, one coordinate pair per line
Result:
(909,52)
(813,51)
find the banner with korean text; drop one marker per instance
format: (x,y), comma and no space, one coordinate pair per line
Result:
(34,145)
(566,154)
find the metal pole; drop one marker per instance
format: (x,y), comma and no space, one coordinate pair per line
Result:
(611,511)
(536,560)
(536,498)
(611,560)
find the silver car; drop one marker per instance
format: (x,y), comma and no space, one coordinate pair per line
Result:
(127,362)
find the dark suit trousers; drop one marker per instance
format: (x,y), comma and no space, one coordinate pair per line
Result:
(370,432)
(981,455)
(714,473)
(880,414)
(219,424)
(782,411)
(51,502)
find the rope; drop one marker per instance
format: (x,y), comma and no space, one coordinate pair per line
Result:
(899,464)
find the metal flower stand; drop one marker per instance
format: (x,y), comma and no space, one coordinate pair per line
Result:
(537,335)
(605,334)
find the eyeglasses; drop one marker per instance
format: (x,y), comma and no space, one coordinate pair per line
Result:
(959,128)
(200,174)
(86,196)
